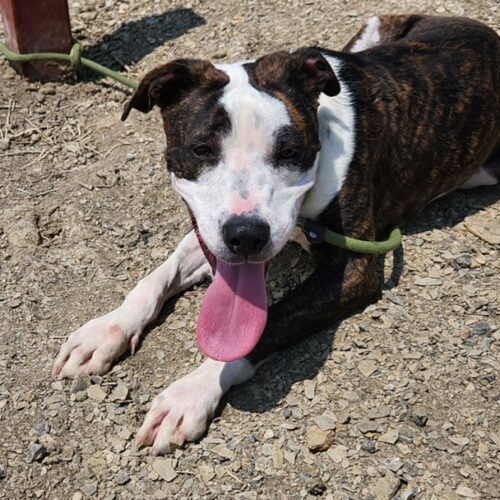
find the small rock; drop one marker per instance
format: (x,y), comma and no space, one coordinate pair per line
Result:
(309,388)
(367,367)
(81,396)
(366,426)
(77,496)
(325,422)
(419,417)
(369,445)
(36,453)
(90,489)
(386,487)
(80,383)
(223,451)
(459,441)
(164,468)
(462,261)
(337,453)
(481,329)
(206,473)
(485,229)
(428,282)
(122,478)
(319,440)
(316,487)
(3,474)
(390,437)
(379,412)
(343,417)
(96,393)
(393,464)
(465,491)
(57,385)
(22,231)
(119,393)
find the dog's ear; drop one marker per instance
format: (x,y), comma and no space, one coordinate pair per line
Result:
(169,83)
(305,70)
(320,77)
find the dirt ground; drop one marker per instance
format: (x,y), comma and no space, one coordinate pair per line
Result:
(409,386)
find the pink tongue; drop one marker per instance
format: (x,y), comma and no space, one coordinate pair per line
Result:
(234,312)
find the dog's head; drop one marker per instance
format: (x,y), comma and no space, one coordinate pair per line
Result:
(242,142)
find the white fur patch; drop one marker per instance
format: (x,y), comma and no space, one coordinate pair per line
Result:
(245,178)
(370,36)
(337,136)
(183,410)
(480,178)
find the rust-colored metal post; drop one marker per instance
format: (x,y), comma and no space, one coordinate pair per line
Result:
(37,26)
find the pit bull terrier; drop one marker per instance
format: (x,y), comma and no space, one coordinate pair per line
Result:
(358,141)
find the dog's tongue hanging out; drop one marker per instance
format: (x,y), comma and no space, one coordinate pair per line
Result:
(234,312)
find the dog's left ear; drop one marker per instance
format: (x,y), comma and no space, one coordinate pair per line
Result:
(170,83)
(319,75)
(305,70)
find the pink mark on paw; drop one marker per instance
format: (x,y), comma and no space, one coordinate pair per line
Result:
(116,331)
(241,205)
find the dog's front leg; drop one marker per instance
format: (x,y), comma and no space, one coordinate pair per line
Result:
(183,410)
(94,347)
(337,288)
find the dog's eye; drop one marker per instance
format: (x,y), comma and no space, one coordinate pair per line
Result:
(289,153)
(203,152)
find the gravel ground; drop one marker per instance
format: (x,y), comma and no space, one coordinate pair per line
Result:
(397,401)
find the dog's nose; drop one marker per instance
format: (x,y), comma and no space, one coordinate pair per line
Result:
(245,235)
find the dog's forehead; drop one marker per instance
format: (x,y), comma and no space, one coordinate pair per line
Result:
(255,115)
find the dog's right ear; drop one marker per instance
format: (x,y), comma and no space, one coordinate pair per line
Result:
(169,83)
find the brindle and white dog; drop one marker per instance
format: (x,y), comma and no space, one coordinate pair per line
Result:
(358,140)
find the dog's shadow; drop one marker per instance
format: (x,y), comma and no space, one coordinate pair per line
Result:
(133,40)
(276,376)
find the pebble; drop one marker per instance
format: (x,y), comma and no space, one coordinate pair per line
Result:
(223,451)
(206,473)
(465,491)
(366,426)
(36,453)
(119,393)
(367,367)
(337,453)
(23,232)
(164,468)
(379,412)
(369,445)
(90,489)
(393,464)
(318,439)
(459,441)
(80,383)
(387,486)
(390,437)
(428,282)
(419,417)
(326,422)
(122,478)
(96,393)
(343,417)
(77,496)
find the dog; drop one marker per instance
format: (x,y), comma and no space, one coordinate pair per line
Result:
(358,141)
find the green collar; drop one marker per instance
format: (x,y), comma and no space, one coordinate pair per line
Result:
(316,233)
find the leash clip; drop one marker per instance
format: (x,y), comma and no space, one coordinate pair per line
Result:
(315,233)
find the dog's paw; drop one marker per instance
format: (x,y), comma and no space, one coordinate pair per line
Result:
(182,412)
(93,348)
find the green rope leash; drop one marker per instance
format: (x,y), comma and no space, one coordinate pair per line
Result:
(313,231)
(74,58)
(318,234)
